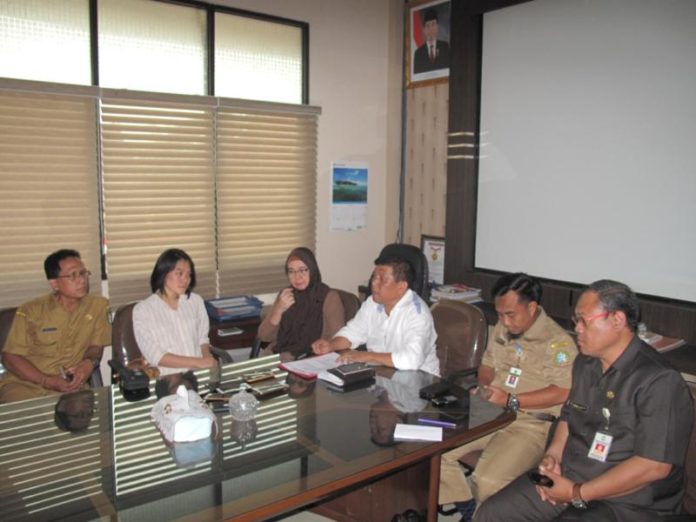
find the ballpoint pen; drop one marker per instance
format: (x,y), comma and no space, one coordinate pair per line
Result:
(435,422)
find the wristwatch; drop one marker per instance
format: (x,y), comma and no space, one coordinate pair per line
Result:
(578,502)
(513,403)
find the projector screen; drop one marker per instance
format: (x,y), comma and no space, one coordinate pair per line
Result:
(588,143)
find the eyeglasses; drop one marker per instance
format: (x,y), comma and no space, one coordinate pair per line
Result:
(299,271)
(74,276)
(585,321)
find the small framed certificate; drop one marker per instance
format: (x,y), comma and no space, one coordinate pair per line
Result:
(434,249)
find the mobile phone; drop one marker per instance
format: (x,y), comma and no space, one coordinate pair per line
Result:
(434,390)
(444,400)
(223,332)
(539,479)
(269,390)
(257,377)
(351,367)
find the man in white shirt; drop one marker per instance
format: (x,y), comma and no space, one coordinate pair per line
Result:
(394,323)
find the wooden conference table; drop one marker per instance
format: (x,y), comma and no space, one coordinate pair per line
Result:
(313,447)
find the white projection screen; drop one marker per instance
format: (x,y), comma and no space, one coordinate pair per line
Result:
(588,143)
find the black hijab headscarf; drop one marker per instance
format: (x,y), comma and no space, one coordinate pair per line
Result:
(303,322)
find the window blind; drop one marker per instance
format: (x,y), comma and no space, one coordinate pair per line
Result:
(158,171)
(266,192)
(48,186)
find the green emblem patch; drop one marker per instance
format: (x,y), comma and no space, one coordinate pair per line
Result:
(561,357)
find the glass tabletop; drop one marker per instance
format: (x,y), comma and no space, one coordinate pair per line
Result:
(115,463)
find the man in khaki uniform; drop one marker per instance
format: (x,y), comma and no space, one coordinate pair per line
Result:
(527,368)
(57,340)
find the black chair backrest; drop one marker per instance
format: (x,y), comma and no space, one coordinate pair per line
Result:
(419,264)
(125,347)
(6,318)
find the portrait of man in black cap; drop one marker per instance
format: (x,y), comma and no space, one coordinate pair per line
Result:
(434,53)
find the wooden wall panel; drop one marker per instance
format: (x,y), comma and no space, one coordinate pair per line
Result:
(425,161)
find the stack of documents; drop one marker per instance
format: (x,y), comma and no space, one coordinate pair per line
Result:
(310,367)
(456,292)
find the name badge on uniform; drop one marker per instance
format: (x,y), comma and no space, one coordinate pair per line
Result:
(600,446)
(602,439)
(513,377)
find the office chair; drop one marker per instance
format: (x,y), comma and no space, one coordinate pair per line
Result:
(124,346)
(6,319)
(351,304)
(462,332)
(419,265)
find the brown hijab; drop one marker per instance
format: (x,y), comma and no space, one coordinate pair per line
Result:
(303,322)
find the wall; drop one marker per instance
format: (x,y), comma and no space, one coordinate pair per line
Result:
(355,71)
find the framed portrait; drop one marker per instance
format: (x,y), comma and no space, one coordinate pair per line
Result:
(427,42)
(434,249)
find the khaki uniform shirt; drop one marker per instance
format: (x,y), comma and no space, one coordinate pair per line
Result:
(544,354)
(50,337)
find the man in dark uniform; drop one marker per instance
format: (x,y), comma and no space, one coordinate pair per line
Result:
(618,453)
(434,53)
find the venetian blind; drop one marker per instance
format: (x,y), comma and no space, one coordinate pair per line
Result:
(266,192)
(48,185)
(158,171)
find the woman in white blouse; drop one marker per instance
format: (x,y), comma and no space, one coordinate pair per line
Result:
(171,326)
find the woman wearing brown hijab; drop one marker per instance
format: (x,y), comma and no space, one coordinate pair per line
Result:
(303,312)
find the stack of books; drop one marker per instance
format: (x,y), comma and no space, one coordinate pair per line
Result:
(456,292)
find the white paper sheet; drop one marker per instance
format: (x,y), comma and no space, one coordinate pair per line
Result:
(414,432)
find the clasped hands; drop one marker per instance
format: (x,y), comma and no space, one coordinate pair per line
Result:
(562,490)
(72,378)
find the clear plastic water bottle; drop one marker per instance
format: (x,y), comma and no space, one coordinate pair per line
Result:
(243,405)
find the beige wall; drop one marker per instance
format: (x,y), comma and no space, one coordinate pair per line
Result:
(355,60)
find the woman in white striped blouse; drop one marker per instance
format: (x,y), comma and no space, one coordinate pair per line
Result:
(171,326)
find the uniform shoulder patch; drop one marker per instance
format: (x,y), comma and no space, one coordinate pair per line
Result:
(561,358)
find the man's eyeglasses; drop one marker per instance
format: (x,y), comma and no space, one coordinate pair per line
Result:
(74,276)
(299,271)
(585,321)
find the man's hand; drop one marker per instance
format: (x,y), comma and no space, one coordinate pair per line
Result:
(551,468)
(349,356)
(560,493)
(80,373)
(321,346)
(495,395)
(57,383)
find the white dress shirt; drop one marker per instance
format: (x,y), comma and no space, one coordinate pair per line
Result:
(159,329)
(407,333)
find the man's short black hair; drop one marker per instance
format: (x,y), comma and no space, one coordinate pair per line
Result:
(429,14)
(52,262)
(617,297)
(525,286)
(402,269)
(165,263)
